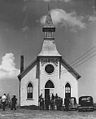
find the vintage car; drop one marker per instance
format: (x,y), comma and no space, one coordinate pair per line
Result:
(85,103)
(73,104)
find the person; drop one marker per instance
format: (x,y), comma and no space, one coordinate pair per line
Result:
(47,102)
(41,101)
(56,101)
(52,101)
(56,96)
(67,104)
(8,101)
(14,102)
(3,99)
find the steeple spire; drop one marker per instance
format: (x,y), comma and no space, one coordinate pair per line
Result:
(49,47)
(49,22)
(49,27)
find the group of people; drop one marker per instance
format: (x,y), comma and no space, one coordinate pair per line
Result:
(7,102)
(51,103)
(56,103)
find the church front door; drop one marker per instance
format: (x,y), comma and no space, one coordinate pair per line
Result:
(49,85)
(47,94)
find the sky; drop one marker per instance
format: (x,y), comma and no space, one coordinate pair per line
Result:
(21,23)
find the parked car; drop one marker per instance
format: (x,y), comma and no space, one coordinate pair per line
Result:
(85,103)
(73,104)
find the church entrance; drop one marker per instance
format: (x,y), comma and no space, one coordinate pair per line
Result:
(48,86)
(47,93)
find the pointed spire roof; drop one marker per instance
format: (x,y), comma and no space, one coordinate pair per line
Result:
(49,47)
(48,21)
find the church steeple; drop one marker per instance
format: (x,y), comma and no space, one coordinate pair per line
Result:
(49,47)
(49,27)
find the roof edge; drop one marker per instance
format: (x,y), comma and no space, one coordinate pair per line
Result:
(26,70)
(70,69)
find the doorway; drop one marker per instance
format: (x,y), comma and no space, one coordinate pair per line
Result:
(48,86)
(47,94)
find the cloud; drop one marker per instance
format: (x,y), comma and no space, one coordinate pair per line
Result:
(92,19)
(25,28)
(66,1)
(61,18)
(7,67)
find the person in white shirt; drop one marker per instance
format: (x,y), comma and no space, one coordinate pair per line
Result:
(3,99)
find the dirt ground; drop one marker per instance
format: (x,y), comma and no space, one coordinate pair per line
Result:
(40,114)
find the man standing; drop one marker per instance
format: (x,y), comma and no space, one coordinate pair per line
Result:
(3,99)
(14,102)
(67,101)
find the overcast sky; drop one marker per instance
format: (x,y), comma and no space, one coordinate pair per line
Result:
(21,33)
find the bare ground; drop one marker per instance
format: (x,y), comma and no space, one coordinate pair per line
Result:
(40,114)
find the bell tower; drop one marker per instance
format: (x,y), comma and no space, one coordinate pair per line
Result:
(48,28)
(49,47)
(49,59)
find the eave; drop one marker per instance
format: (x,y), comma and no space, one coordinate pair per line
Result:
(70,69)
(21,75)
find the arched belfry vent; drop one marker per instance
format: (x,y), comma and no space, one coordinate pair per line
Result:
(49,84)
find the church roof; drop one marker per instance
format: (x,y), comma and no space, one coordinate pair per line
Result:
(49,49)
(49,22)
(26,70)
(64,63)
(70,69)
(49,46)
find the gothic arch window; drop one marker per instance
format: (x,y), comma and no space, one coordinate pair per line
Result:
(30,91)
(67,90)
(49,84)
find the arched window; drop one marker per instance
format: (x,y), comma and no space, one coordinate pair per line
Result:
(30,91)
(67,90)
(49,84)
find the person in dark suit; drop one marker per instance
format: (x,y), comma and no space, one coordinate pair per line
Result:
(67,101)
(14,102)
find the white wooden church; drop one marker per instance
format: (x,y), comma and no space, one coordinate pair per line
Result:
(48,74)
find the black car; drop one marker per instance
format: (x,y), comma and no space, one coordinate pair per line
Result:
(85,103)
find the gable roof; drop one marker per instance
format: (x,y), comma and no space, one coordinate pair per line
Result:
(21,75)
(70,69)
(64,63)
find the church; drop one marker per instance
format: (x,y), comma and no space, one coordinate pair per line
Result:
(48,74)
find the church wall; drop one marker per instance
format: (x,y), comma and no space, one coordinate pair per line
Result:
(29,77)
(58,81)
(67,77)
(44,77)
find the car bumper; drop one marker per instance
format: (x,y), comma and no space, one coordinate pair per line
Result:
(85,108)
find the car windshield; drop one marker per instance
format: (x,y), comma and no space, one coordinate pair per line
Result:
(88,99)
(85,101)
